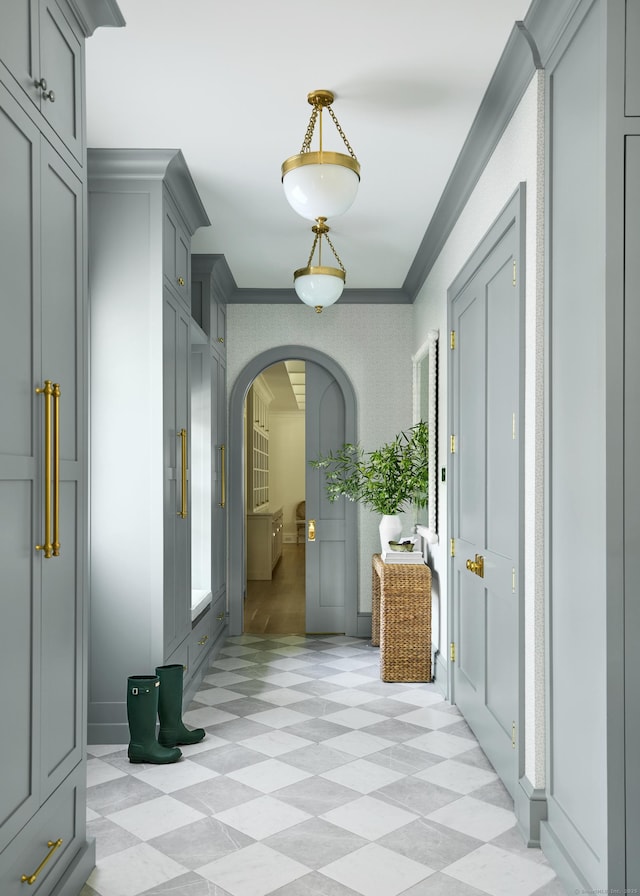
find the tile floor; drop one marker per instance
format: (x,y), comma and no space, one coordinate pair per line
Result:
(315,779)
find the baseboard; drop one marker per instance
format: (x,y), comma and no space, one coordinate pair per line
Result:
(530,806)
(75,877)
(440,673)
(118,732)
(364,625)
(559,860)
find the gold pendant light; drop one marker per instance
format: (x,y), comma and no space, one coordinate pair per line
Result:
(321,184)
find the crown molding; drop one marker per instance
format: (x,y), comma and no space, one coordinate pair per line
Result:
(529,46)
(252,296)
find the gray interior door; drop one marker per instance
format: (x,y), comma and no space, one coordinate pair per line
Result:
(332,548)
(485,518)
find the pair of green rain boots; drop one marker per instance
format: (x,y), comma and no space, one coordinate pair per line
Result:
(159,696)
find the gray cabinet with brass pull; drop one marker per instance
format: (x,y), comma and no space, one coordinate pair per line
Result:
(43,444)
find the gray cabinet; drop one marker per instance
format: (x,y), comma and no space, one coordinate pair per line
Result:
(43,453)
(143,210)
(44,56)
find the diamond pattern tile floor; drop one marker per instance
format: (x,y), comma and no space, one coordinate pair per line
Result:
(315,779)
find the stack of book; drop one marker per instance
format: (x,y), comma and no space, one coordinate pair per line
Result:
(402,557)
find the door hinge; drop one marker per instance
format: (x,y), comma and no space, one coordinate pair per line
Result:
(452,652)
(513,735)
(514,272)
(513,580)
(453,547)
(513,426)
(452,339)
(453,444)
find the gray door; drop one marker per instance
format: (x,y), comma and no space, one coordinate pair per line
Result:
(485,518)
(329,551)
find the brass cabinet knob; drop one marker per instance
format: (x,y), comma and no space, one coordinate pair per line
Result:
(180,281)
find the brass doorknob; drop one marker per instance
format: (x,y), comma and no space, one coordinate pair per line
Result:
(312,530)
(476,566)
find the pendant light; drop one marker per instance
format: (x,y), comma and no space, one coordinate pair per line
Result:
(321,183)
(317,285)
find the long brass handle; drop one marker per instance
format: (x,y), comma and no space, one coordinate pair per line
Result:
(203,641)
(223,479)
(182,513)
(476,566)
(312,530)
(47,547)
(56,470)
(52,845)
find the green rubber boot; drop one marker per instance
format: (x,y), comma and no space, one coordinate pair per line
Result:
(172,729)
(142,711)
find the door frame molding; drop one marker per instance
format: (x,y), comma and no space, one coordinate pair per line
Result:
(530,803)
(237,484)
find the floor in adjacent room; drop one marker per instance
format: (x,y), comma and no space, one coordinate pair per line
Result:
(315,779)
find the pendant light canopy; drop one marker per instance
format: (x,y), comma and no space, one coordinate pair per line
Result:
(317,285)
(321,184)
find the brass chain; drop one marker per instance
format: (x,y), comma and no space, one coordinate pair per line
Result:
(313,249)
(335,253)
(306,143)
(341,132)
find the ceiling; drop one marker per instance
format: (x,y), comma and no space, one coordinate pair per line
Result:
(227,84)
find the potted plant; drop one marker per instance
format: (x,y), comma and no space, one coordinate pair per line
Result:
(386,480)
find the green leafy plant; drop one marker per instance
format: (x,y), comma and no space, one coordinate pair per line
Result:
(386,480)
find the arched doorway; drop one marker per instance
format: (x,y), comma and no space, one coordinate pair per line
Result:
(236,502)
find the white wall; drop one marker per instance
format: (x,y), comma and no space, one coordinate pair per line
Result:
(372,343)
(518,157)
(287,466)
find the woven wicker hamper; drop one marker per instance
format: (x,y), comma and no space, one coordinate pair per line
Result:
(401,607)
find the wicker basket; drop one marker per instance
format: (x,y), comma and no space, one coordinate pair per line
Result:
(401,619)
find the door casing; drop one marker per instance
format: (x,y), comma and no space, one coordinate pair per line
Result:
(236,491)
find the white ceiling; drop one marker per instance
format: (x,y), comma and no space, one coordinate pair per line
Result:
(227,84)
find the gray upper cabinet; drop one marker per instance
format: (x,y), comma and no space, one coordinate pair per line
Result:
(43,454)
(45,57)
(143,210)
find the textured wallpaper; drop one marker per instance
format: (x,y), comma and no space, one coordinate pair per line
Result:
(372,343)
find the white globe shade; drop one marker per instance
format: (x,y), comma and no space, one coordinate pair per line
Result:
(315,188)
(319,287)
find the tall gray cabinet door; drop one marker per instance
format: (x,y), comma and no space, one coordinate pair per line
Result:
(177,552)
(62,575)
(632,511)
(19,466)
(218,439)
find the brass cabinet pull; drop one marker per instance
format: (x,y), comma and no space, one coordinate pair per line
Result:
(221,339)
(476,566)
(47,547)
(56,470)
(203,641)
(312,530)
(221,616)
(223,479)
(180,281)
(182,513)
(52,845)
